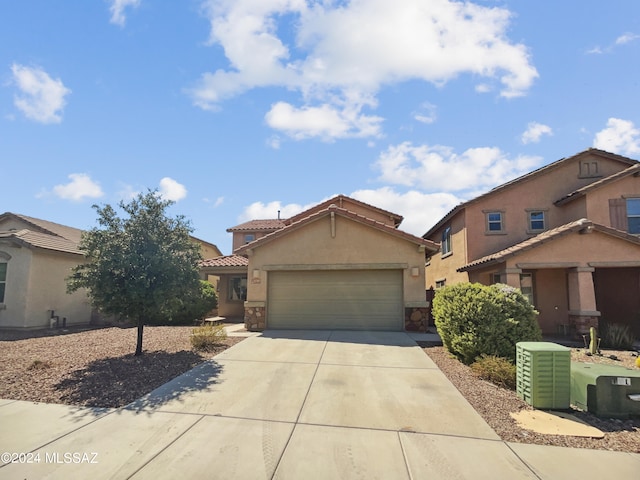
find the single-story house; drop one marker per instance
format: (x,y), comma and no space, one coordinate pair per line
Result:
(342,264)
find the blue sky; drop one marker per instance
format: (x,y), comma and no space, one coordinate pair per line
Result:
(236,109)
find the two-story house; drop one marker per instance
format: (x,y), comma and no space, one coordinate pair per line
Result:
(340,264)
(565,234)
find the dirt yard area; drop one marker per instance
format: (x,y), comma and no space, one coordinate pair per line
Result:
(495,404)
(94,367)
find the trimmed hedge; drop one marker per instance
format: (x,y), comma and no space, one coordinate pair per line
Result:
(475,320)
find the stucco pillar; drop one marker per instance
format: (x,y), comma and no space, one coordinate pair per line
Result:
(583,311)
(511,277)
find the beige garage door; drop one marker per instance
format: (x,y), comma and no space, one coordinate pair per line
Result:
(340,299)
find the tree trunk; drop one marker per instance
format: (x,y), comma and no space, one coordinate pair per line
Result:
(139,343)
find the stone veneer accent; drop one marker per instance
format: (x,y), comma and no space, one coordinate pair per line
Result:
(583,323)
(255,318)
(415,319)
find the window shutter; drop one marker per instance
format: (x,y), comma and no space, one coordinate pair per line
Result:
(618,213)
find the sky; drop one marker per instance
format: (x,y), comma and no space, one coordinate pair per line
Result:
(238,109)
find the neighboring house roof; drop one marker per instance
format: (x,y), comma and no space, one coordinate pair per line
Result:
(258,225)
(581,192)
(576,226)
(209,244)
(339,201)
(428,244)
(29,238)
(45,226)
(226,261)
(525,177)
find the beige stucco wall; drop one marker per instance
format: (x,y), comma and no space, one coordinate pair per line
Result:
(597,201)
(354,246)
(226,307)
(36,284)
(238,238)
(443,267)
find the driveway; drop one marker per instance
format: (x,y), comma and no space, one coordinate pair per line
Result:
(292,405)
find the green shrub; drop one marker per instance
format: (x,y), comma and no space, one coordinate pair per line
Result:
(474,319)
(39,365)
(205,338)
(190,308)
(497,370)
(617,336)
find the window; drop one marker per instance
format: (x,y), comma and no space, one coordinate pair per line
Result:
(238,288)
(633,215)
(446,241)
(3,280)
(496,278)
(249,237)
(495,222)
(441,283)
(536,220)
(526,286)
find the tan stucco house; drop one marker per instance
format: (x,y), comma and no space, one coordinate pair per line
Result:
(565,234)
(36,257)
(342,264)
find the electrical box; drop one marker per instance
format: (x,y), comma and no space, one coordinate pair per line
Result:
(543,374)
(605,390)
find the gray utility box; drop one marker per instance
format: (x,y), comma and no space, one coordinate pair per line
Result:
(543,374)
(605,390)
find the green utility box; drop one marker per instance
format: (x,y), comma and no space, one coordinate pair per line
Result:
(543,374)
(605,390)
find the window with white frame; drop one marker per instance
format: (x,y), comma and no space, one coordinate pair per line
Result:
(536,220)
(249,237)
(526,286)
(633,215)
(494,222)
(446,241)
(3,280)
(441,283)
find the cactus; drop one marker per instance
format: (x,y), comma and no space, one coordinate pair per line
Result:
(594,344)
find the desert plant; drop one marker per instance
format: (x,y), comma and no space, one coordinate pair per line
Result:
(617,336)
(206,337)
(474,319)
(497,370)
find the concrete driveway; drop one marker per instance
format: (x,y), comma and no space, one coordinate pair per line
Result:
(292,405)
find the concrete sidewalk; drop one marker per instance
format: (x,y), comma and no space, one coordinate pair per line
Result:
(291,405)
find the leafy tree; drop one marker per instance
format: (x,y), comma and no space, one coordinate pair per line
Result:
(138,265)
(193,307)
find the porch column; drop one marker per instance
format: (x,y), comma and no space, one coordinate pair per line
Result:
(511,277)
(583,311)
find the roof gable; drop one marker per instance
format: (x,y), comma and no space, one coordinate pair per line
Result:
(581,192)
(344,202)
(333,209)
(628,162)
(44,226)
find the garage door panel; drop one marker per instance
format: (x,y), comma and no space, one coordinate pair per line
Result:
(350,299)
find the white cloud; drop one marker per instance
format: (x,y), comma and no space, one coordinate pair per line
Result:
(117,9)
(261,211)
(426,113)
(420,210)
(439,169)
(172,190)
(626,38)
(324,121)
(80,187)
(41,97)
(620,136)
(339,55)
(535,131)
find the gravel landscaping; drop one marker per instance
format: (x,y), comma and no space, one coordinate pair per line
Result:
(96,367)
(495,404)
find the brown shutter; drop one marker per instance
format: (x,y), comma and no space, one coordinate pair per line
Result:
(618,213)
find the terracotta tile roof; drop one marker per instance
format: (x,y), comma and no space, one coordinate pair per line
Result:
(258,225)
(525,177)
(633,170)
(429,245)
(338,201)
(30,238)
(545,237)
(226,261)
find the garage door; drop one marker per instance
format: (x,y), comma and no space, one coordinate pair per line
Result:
(337,299)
